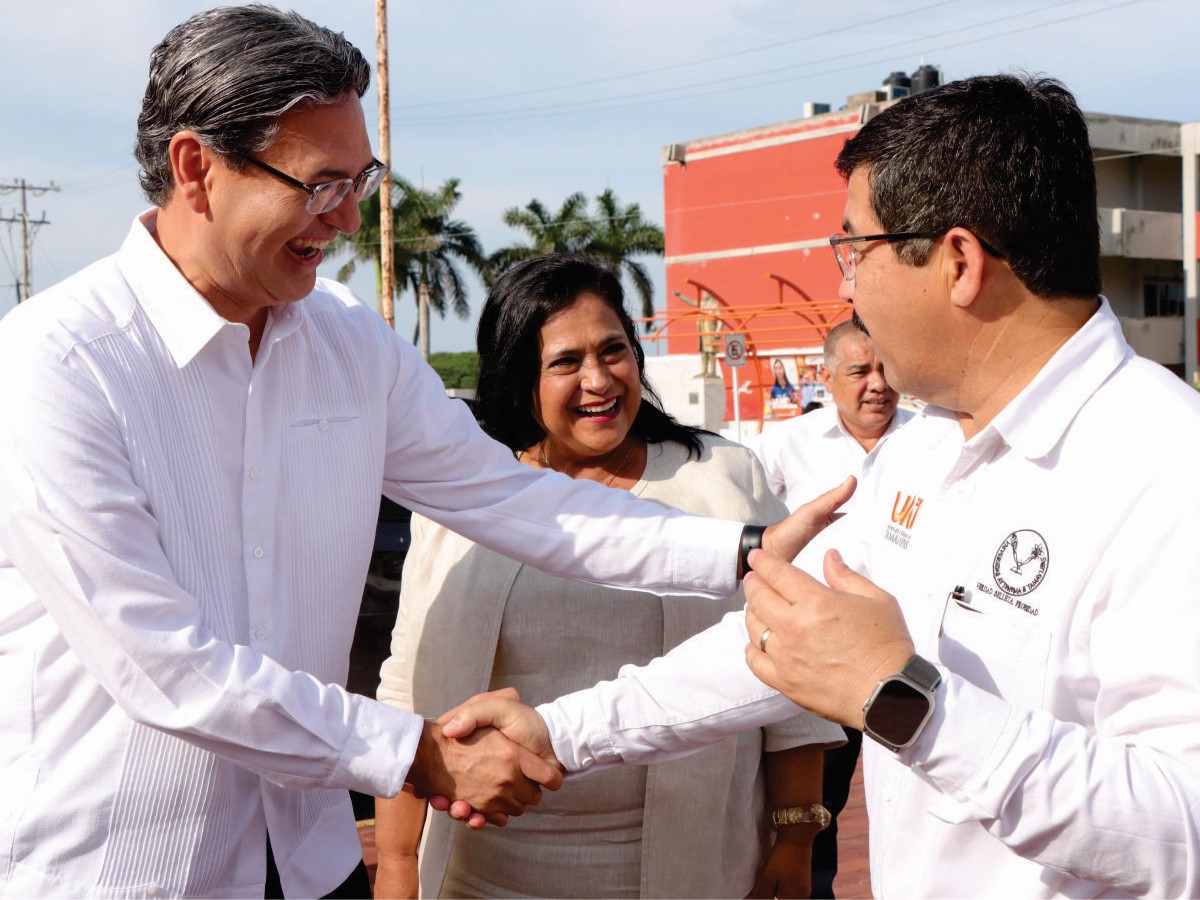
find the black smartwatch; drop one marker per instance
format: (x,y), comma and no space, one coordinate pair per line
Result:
(752,536)
(901,704)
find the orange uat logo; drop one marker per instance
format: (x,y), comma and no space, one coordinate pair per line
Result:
(905,514)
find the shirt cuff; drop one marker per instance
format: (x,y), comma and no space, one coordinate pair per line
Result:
(380,749)
(705,556)
(952,751)
(580,745)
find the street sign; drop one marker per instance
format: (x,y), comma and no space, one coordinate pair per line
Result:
(735,350)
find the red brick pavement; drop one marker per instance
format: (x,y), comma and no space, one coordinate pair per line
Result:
(853,880)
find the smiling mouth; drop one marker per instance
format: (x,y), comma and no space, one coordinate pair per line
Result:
(307,249)
(605,410)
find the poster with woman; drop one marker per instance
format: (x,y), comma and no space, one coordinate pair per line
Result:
(782,398)
(789,385)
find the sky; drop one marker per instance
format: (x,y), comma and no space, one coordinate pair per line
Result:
(527,99)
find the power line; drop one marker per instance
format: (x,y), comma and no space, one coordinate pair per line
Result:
(29,228)
(683,65)
(623,101)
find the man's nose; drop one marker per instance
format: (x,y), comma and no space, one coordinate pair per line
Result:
(346,216)
(846,290)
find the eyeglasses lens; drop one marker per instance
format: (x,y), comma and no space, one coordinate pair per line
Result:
(845,258)
(371,180)
(329,195)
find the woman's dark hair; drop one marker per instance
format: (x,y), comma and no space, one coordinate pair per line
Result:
(517,307)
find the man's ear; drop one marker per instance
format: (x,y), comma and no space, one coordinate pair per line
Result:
(964,261)
(825,374)
(190,165)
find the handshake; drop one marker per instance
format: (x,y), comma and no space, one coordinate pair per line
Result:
(485,760)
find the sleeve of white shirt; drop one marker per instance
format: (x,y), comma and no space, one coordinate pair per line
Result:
(79,530)
(766,447)
(440,463)
(1116,802)
(699,693)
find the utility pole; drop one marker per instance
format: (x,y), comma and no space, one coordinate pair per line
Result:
(28,229)
(387,245)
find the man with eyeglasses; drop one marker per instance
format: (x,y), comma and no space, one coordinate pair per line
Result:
(1011,612)
(194,437)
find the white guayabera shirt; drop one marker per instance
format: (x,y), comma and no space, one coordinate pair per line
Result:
(1063,758)
(184,536)
(810,454)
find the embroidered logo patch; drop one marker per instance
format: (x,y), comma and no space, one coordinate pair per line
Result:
(1021,562)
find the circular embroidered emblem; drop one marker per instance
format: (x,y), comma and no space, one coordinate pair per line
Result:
(1021,562)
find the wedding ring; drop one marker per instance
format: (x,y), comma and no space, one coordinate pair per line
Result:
(762,640)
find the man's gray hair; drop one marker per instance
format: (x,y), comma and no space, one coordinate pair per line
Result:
(229,74)
(832,351)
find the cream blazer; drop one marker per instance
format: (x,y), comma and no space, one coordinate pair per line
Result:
(705,826)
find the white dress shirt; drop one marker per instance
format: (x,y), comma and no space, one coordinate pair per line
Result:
(1063,758)
(184,536)
(810,454)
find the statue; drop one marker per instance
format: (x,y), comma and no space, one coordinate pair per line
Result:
(710,333)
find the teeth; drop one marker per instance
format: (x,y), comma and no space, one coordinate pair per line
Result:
(598,410)
(308,243)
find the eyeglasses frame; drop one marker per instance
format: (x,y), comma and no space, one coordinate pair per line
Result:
(837,240)
(311,189)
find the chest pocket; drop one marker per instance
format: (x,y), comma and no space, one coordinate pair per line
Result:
(1003,654)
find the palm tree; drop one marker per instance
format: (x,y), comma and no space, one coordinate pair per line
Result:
(619,234)
(429,245)
(567,231)
(611,236)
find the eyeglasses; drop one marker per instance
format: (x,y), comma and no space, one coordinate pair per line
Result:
(848,256)
(328,195)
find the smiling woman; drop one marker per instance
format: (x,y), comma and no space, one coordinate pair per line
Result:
(561,384)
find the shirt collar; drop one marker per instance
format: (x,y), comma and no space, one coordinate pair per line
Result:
(836,427)
(1035,420)
(180,314)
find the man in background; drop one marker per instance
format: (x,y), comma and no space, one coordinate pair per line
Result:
(806,456)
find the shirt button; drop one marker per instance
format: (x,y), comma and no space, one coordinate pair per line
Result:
(260,633)
(254,474)
(323,424)
(258,552)
(587,762)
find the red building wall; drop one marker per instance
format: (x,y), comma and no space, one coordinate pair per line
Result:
(740,208)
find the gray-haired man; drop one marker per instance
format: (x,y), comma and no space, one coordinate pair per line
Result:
(194,436)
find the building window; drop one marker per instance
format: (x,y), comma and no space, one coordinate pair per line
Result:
(1162,297)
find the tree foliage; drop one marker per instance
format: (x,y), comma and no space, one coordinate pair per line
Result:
(457,370)
(612,235)
(431,245)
